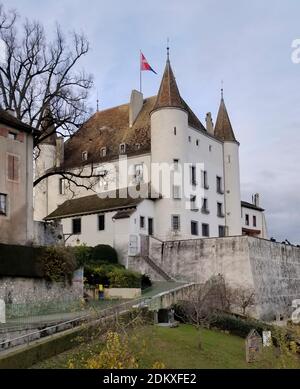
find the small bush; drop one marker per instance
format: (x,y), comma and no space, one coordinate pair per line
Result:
(99,274)
(122,278)
(83,254)
(104,254)
(58,263)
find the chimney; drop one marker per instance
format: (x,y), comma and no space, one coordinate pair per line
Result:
(60,152)
(255,199)
(209,123)
(135,106)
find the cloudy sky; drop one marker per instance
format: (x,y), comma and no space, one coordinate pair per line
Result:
(246,44)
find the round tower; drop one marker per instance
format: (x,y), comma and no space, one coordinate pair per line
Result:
(169,124)
(224,131)
(46,159)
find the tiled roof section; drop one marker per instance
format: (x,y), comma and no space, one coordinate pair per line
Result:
(168,95)
(110,128)
(94,204)
(223,127)
(11,121)
(245,204)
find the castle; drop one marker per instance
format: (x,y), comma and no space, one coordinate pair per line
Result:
(160,172)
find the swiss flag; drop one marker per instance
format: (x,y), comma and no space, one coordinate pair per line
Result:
(145,64)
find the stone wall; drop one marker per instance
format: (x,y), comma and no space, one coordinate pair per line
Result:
(34,296)
(271,269)
(47,234)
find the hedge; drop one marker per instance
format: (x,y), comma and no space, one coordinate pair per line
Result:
(21,261)
(237,325)
(51,263)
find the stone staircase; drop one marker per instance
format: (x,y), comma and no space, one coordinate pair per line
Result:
(158,269)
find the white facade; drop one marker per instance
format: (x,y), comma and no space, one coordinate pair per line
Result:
(232,188)
(202,199)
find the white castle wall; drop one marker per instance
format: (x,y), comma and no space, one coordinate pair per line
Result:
(232,188)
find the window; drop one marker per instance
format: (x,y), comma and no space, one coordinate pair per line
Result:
(12,136)
(176,164)
(247,220)
(204,208)
(142,222)
(137,146)
(205,230)
(84,155)
(190,139)
(13,164)
(194,203)
(205,179)
(222,231)
(122,148)
(103,152)
(210,148)
(197,142)
(176,192)
(175,223)
(61,186)
(193,175)
(228,159)
(254,221)
(138,172)
(219,185)
(76,226)
(3,204)
(101,222)
(194,228)
(175,131)
(220,210)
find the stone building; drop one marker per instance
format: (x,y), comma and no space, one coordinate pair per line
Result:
(16,177)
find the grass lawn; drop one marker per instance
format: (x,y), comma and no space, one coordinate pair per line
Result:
(175,347)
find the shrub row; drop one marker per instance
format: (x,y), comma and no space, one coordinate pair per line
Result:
(51,263)
(237,325)
(114,276)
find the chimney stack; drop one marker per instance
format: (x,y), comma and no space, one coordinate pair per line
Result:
(209,124)
(255,199)
(135,106)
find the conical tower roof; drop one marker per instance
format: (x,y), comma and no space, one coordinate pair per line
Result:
(223,127)
(168,95)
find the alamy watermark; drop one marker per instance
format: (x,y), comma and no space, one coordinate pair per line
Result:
(178,181)
(295,57)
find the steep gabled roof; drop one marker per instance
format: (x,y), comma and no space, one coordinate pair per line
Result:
(11,121)
(109,128)
(223,127)
(168,94)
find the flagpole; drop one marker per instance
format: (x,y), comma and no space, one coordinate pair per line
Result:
(141,71)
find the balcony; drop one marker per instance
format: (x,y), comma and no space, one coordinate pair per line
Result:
(205,211)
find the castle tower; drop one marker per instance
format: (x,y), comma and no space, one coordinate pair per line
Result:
(169,125)
(46,160)
(224,131)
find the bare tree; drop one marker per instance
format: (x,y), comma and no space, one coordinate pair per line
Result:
(42,83)
(201,303)
(242,299)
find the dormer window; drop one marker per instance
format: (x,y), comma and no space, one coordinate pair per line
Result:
(84,155)
(103,152)
(122,148)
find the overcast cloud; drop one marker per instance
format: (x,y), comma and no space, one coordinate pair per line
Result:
(247,44)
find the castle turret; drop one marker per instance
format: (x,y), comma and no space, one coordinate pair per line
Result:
(169,125)
(224,131)
(46,159)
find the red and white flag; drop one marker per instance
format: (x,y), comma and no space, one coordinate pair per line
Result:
(145,64)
